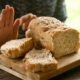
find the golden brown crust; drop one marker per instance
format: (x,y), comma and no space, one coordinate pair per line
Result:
(40,68)
(20,50)
(45,29)
(40,61)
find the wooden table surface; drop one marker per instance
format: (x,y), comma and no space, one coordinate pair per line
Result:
(73,74)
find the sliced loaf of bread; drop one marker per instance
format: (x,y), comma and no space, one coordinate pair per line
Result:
(40,60)
(54,35)
(17,48)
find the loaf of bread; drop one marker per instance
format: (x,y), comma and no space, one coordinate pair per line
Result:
(28,33)
(54,35)
(17,48)
(40,60)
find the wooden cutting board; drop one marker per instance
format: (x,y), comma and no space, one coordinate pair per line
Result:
(16,67)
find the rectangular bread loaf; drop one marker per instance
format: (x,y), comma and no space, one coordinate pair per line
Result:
(17,48)
(40,60)
(54,35)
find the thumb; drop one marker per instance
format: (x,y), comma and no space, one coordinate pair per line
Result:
(16,27)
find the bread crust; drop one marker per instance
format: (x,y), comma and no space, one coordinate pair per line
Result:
(18,51)
(31,66)
(45,29)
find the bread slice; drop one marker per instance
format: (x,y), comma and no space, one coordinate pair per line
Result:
(17,48)
(40,60)
(54,35)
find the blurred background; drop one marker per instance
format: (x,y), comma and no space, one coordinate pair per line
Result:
(68,12)
(73,13)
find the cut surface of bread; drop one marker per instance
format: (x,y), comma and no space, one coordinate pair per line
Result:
(54,35)
(40,60)
(17,48)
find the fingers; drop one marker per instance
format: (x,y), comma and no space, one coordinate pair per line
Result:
(26,18)
(7,15)
(11,15)
(3,16)
(16,26)
(24,27)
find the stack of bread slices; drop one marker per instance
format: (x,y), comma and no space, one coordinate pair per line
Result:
(46,40)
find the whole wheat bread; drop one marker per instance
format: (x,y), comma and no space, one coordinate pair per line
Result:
(17,48)
(54,35)
(40,60)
